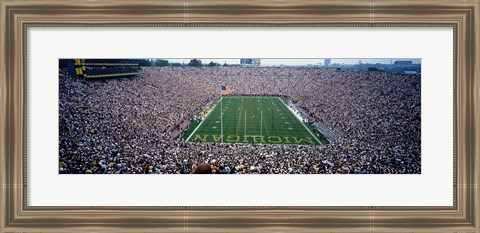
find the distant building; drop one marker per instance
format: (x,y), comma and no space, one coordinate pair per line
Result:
(328,61)
(403,63)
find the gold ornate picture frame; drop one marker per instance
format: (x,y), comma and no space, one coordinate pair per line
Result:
(17,16)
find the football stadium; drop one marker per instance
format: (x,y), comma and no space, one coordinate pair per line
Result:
(253,119)
(239,116)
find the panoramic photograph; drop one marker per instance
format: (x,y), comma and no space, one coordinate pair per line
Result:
(240,116)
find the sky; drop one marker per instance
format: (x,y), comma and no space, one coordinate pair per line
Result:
(301,61)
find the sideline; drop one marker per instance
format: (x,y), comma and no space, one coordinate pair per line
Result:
(301,122)
(206,116)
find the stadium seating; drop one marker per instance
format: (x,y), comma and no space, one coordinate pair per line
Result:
(104,68)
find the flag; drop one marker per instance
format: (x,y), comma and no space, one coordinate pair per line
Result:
(226,90)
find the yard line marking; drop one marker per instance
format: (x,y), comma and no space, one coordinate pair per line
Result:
(239,115)
(263,119)
(198,126)
(301,122)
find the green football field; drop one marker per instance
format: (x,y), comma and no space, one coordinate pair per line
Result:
(248,119)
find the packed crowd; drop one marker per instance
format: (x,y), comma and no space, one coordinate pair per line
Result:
(120,125)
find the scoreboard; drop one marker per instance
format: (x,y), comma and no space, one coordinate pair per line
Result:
(250,61)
